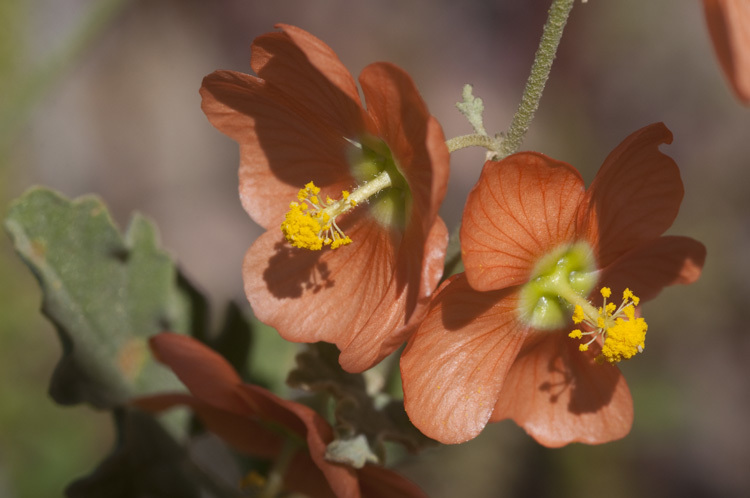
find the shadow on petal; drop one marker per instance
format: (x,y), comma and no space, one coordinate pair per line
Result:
(292,271)
(466,304)
(560,395)
(575,375)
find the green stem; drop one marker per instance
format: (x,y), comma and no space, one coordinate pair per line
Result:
(545,54)
(474,139)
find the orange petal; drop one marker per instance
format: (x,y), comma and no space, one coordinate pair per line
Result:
(414,137)
(341,478)
(729,26)
(207,375)
(654,265)
(243,432)
(227,406)
(309,73)
(417,144)
(327,295)
(520,209)
(418,269)
(560,395)
(454,366)
(281,148)
(303,476)
(635,196)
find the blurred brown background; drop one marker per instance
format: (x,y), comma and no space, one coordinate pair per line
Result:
(116,113)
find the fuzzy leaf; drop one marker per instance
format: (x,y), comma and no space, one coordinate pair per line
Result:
(378,417)
(104,292)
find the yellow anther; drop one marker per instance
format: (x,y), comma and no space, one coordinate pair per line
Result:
(312,188)
(628,294)
(623,333)
(301,229)
(311,223)
(340,242)
(625,339)
(578,314)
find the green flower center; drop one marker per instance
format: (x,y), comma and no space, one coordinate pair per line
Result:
(369,159)
(559,281)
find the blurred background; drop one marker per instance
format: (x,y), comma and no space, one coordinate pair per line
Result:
(101,96)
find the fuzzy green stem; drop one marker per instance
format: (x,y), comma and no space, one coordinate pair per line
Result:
(475,139)
(545,54)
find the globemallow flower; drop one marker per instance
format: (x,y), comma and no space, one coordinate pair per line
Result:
(548,304)
(348,194)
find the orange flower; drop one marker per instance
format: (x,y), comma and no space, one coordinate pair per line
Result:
(258,423)
(357,271)
(729,26)
(536,243)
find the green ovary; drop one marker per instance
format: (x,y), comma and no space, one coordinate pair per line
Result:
(559,281)
(368,158)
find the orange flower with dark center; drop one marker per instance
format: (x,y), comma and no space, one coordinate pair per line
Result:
(256,422)
(349,196)
(729,27)
(497,341)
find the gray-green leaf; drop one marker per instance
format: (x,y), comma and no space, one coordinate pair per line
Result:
(105,293)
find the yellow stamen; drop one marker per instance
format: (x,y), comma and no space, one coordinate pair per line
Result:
(311,222)
(628,294)
(578,314)
(623,333)
(301,229)
(575,334)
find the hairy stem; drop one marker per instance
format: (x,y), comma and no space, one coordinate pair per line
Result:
(545,54)
(474,139)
